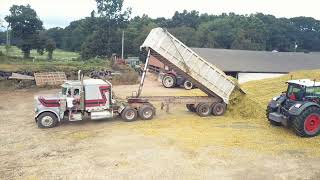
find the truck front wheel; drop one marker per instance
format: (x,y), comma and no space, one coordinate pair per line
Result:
(307,124)
(129,114)
(47,120)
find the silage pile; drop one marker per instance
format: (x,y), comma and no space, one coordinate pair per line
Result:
(242,105)
(260,92)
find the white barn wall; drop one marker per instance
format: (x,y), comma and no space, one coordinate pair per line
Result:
(246,77)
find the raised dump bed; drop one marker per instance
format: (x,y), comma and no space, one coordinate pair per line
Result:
(172,52)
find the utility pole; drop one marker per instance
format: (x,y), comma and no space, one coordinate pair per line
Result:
(8,36)
(8,43)
(122,52)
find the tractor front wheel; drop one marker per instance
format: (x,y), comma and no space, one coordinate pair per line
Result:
(169,81)
(307,124)
(47,120)
(188,85)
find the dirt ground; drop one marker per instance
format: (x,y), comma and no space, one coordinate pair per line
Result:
(178,145)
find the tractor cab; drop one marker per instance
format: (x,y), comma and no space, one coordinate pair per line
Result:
(303,90)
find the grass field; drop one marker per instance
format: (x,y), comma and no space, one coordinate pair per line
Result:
(62,61)
(58,54)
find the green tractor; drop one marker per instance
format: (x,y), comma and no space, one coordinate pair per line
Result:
(298,108)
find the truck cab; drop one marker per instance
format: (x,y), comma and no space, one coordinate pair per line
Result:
(90,98)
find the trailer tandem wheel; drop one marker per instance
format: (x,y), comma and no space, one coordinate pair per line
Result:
(203,109)
(191,107)
(219,109)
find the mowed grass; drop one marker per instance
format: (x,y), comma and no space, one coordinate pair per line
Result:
(58,54)
(244,128)
(62,61)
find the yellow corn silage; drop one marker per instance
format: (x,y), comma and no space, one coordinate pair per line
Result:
(244,127)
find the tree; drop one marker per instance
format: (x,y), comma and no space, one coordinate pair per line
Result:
(100,34)
(188,19)
(40,43)
(1,24)
(112,19)
(112,10)
(50,47)
(25,25)
(57,34)
(186,34)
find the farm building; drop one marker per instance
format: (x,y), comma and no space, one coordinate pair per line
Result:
(255,65)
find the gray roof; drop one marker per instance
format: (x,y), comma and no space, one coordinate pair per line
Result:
(259,61)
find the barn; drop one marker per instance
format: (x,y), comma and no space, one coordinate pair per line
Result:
(255,65)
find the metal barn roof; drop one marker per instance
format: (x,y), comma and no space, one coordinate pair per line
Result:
(259,61)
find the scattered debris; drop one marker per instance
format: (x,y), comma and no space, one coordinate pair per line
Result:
(50,78)
(21,77)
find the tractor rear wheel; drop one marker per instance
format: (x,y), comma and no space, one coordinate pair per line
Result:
(307,124)
(274,123)
(129,114)
(203,109)
(169,81)
(188,85)
(219,109)
(191,107)
(47,120)
(146,112)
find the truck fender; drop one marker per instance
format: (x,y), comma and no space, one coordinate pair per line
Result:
(46,110)
(297,111)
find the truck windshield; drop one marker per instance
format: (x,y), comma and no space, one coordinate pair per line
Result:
(295,92)
(313,91)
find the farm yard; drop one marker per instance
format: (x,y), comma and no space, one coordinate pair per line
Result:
(179,145)
(111,89)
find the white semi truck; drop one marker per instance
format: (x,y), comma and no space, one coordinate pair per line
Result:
(93,98)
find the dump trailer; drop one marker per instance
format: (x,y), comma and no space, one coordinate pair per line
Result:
(207,77)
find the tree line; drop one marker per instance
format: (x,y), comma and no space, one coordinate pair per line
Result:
(100,33)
